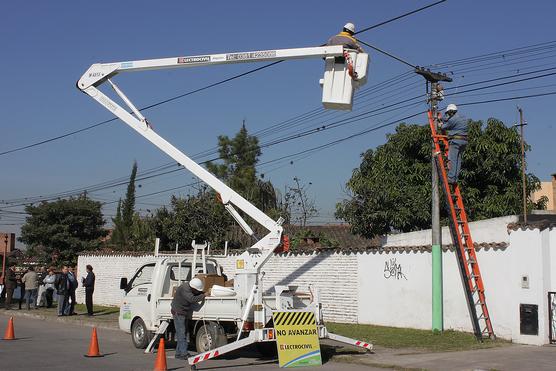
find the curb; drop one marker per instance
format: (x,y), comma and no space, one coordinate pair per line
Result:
(78,322)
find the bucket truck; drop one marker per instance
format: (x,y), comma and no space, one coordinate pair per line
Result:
(246,304)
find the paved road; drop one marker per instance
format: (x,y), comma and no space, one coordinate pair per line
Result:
(45,345)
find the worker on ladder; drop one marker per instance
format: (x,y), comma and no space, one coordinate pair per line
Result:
(346,38)
(455,127)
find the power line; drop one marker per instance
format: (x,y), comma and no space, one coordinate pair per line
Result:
(506,99)
(202,88)
(124,180)
(342,122)
(400,16)
(366,131)
(381,126)
(387,54)
(349,119)
(141,109)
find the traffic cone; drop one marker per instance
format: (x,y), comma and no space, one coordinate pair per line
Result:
(93,346)
(9,334)
(160,363)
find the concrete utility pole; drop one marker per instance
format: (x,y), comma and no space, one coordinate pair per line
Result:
(523,178)
(437,299)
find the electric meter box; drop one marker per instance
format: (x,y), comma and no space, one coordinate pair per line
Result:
(337,85)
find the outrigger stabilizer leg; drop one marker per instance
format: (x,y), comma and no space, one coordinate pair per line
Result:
(262,335)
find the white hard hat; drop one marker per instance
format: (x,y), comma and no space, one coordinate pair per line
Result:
(197,284)
(451,107)
(350,27)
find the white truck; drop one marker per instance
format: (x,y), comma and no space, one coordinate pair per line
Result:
(145,306)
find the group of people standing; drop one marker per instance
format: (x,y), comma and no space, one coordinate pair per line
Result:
(66,284)
(31,285)
(37,289)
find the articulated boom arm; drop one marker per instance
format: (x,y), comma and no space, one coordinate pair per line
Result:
(97,74)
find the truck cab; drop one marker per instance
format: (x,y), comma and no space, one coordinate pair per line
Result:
(149,292)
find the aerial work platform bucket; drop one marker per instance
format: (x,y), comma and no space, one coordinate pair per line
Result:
(342,75)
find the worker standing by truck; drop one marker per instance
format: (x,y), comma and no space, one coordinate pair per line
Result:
(455,126)
(187,294)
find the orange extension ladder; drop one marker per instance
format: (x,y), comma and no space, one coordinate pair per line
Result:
(461,235)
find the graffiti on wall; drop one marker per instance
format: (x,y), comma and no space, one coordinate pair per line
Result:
(392,269)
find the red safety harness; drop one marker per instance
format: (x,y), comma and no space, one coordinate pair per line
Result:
(349,63)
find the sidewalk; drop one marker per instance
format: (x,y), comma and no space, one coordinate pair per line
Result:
(103,317)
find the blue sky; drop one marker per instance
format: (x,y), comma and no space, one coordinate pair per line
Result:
(47,46)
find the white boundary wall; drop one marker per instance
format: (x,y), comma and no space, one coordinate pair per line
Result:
(334,275)
(392,286)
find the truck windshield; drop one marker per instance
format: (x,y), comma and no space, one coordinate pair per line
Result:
(143,275)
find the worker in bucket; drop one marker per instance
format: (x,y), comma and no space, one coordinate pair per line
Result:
(187,294)
(455,126)
(346,38)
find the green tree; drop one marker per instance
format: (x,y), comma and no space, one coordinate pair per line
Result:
(161,223)
(390,190)
(239,157)
(117,238)
(197,217)
(63,228)
(123,222)
(142,234)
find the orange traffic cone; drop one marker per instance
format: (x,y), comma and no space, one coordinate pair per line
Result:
(160,363)
(93,346)
(10,335)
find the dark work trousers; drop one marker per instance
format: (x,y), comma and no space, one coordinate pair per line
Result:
(63,304)
(181,326)
(9,296)
(48,294)
(31,298)
(21,294)
(89,300)
(70,309)
(457,146)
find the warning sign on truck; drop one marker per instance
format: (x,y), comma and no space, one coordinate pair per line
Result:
(297,339)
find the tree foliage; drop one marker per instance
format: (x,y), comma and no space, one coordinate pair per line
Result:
(199,217)
(239,157)
(122,234)
(391,189)
(63,228)
(128,205)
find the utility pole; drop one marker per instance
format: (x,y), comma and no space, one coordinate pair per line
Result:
(435,95)
(437,299)
(523,179)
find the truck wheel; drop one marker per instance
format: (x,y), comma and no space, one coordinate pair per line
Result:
(140,335)
(210,336)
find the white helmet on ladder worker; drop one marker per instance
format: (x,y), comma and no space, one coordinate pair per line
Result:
(350,27)
(451,108)
(196,284)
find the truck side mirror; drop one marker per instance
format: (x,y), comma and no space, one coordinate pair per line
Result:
(123,283)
